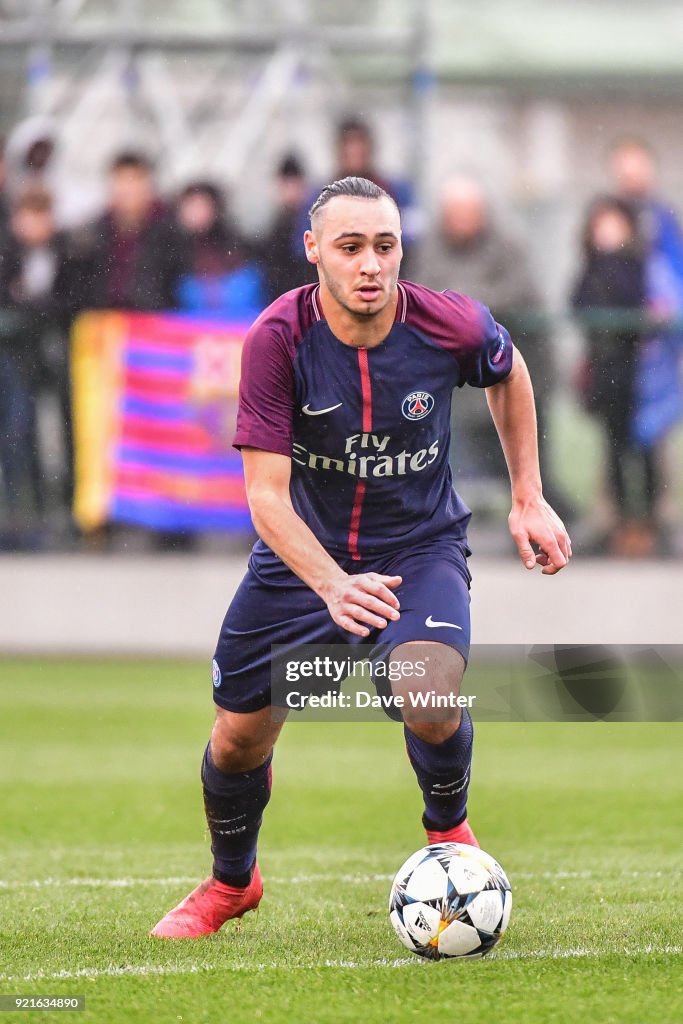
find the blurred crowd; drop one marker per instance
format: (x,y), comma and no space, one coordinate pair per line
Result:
(146,252)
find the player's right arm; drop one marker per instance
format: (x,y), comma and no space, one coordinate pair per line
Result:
(355,602)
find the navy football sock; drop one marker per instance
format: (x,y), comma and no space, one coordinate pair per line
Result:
(443,774)
(234,806)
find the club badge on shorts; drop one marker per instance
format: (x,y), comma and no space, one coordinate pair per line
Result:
(216,673)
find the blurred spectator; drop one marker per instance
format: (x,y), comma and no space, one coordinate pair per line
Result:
(282,248)
(659,392)
(612,293)
(134,251)
(355,153)
(356,157)
(469,253)
(220,277)
(33,159)
(37,298)
(30,151)
(634,173)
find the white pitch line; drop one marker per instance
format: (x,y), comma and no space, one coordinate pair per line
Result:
(128,883)
(161,969)
(308,879)
(143,970)
(568,954)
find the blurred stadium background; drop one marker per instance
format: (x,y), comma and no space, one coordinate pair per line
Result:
(529,100)
(526,103)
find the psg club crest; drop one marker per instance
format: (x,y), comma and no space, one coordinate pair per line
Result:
(417,405)
(216,673)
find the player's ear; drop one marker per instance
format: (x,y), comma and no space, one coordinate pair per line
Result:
(311,247)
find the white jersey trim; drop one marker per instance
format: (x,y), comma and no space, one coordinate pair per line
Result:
(314,298)
(404,302)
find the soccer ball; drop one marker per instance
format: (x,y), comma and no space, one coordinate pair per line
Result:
(450,900)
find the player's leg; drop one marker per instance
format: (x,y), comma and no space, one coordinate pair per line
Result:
(435,627)
(236,780)
(438,739)
(236,767)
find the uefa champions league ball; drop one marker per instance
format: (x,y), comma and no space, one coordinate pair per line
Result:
(450,900)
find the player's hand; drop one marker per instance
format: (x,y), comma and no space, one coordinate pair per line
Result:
(366,600)
(535,522)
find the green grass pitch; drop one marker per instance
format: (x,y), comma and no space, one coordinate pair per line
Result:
(102,831)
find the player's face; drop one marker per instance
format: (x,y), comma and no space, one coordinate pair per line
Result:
(356,244)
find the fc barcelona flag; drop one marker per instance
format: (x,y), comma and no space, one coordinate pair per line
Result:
(155,401)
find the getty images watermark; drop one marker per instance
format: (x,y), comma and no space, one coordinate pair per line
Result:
(504,683)
(363,682)
(336,670)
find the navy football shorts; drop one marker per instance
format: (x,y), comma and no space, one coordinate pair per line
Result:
(435,606)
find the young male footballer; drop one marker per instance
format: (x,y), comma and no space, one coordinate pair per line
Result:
(344,428)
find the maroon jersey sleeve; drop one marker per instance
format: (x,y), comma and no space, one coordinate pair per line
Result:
(266,403)
(266,407)
(463,326)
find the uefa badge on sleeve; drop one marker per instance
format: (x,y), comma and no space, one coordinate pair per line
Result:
(216,673)
(498,354)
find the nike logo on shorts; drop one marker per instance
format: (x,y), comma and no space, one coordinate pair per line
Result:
(429,621)
(320,412)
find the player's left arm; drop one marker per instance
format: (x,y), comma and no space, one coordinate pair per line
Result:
(531,520)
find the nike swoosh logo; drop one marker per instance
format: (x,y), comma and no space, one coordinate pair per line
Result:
(320,412)
(432,624)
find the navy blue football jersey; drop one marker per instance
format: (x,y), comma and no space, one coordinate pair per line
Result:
(367,429)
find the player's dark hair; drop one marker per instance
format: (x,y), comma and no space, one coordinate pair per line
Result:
(131,158)
(358,188)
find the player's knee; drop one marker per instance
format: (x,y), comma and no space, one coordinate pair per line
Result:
(431,663)
(237,745)
(234,754)
(430,708)
(435,732)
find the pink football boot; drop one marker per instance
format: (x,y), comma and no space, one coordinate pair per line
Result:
(208,907)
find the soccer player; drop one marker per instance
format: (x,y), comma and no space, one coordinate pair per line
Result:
(344,429)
